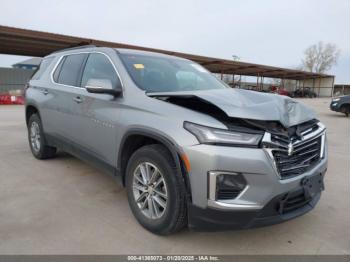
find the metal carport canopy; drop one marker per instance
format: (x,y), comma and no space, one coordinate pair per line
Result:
(16,41)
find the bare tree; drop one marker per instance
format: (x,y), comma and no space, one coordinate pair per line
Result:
(320,57)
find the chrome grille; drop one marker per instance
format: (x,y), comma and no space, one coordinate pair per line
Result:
(305,155)
(293,157)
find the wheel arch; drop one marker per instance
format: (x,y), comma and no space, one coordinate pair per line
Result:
(345,105)
(30,110)
(138,137)
(345,108)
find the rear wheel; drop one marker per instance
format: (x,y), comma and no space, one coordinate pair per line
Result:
(156,192)
(37,141)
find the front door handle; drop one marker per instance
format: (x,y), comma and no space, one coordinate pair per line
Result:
(45,91)
(78,99)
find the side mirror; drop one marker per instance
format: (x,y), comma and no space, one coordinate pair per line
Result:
(102,86)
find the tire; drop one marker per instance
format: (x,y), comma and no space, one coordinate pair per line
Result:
(345,109)
(36,139)
(173,217)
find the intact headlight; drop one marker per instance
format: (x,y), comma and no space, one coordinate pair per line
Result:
(335,99)
(209,135)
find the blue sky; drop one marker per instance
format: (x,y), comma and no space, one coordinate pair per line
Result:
(273,32)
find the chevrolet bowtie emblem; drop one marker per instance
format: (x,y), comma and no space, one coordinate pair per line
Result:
(290,149)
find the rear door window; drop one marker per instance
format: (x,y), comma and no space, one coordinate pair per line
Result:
(70,70)
(56,74)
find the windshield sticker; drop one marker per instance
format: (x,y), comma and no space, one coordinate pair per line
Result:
(139,66)
(199,68)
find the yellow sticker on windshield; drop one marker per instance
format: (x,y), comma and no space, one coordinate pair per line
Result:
(139,66)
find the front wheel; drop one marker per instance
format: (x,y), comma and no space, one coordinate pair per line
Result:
(156,191)
(345,109)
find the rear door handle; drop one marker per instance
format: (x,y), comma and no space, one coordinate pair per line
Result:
(45,91)
(78,99)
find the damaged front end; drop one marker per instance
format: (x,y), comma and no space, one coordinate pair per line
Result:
(274,114)
(288,130)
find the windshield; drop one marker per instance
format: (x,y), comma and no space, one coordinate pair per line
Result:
(167,74)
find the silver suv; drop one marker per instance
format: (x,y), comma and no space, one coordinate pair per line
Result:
(189,149)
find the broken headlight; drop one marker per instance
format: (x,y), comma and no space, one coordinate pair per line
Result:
(209,135)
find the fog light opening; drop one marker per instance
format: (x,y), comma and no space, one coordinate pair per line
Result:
(229,186)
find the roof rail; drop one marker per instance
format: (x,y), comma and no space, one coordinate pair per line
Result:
(73,48)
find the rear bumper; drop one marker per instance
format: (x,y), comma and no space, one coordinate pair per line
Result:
(210,219)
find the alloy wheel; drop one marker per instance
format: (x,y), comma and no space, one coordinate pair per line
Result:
(150,190)
(35,136)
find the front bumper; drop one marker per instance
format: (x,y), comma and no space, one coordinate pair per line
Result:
(335,106)
(213,219)
(258,204)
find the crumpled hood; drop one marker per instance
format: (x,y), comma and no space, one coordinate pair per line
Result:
(240,103)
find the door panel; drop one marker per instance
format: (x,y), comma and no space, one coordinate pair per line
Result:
(94,127)
(59,110)
(97,114)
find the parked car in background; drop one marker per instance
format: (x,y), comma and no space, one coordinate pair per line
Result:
(341,104)
(280,91)
(189,149)
(306,92)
